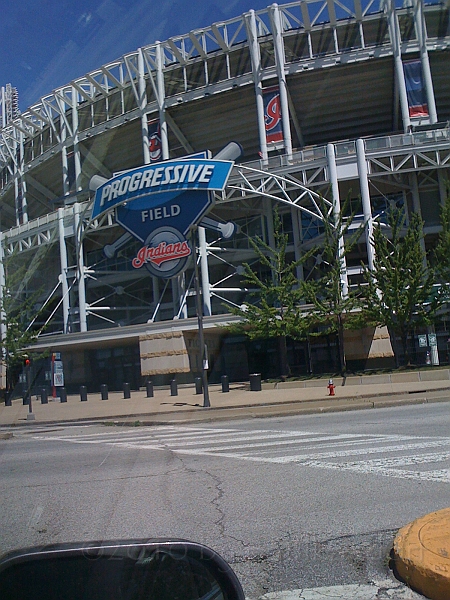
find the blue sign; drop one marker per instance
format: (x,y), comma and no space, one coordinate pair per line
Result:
(169,176)
(158,204)
(179,210)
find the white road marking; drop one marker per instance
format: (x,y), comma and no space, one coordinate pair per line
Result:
(305,448)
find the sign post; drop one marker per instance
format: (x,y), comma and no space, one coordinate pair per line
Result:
(203,352)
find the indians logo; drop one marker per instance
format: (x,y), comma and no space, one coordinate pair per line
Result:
(154,141)
(273,113)
(165,253)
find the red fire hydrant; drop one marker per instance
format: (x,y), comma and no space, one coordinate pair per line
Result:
(331,387)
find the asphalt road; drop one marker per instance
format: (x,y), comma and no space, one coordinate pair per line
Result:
(291,503)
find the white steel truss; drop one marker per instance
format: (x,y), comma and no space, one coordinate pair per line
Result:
(202,47)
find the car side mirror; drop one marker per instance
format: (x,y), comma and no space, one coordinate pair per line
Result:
(128,570)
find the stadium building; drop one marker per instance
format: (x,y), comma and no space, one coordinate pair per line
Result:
(341,99)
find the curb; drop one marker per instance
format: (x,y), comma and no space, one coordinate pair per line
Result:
(265,410)
(422,555)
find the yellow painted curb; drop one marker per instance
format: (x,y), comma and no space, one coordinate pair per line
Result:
(422,555)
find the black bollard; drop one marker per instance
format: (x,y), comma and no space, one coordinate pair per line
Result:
(83,393)
(149,389)
(63,394)
(255,382)
(44,396)
(198,385)
(126,391)
(8,400)
(225,383)
(173,388)
(104,391)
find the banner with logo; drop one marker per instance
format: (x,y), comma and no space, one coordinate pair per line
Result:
(158,204)
(415,89)
(272,114)
(154,140)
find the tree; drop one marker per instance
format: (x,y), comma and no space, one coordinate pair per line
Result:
(399,292)
(277,311)
(332,305)
(441,253)
(18,314)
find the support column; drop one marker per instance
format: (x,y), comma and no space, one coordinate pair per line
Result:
(255,56)
(365,197)
(63,276)
(17,193)
(162,100)
(421,32)
(155,291)
(204,272)
(182,287)
(19,182)
(142,105)
(23,184)
(76,148)
(395,37)
(296,232)
(80,268)
(434,353)
(175,296)
(65,169)
(280,61)
(444,187)
(2,317)
(331,157)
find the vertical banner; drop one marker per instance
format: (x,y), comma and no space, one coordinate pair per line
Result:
(415,89)
(154,140)
(272,114)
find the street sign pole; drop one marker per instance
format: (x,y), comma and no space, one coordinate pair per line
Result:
(201,340)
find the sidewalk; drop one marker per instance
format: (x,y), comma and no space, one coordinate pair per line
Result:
(274,400)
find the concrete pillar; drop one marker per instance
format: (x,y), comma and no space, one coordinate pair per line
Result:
(22,183)
(394,34)
(417,209)
(142,106)
(280,61)
(255,56)
(331,157)
(63,276)
(162,100)
(296,231)
(80,268)
(421,33)
(365,197)
(206,295)
(76,149)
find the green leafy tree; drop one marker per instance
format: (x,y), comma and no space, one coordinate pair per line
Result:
(275,309)
(18,314)
(441,254)
(332,307)
(399,292)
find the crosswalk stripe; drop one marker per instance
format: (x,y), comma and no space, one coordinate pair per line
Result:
(358,451)
(438,475)
(306,448)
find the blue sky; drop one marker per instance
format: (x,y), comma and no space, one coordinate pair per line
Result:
(47,43)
